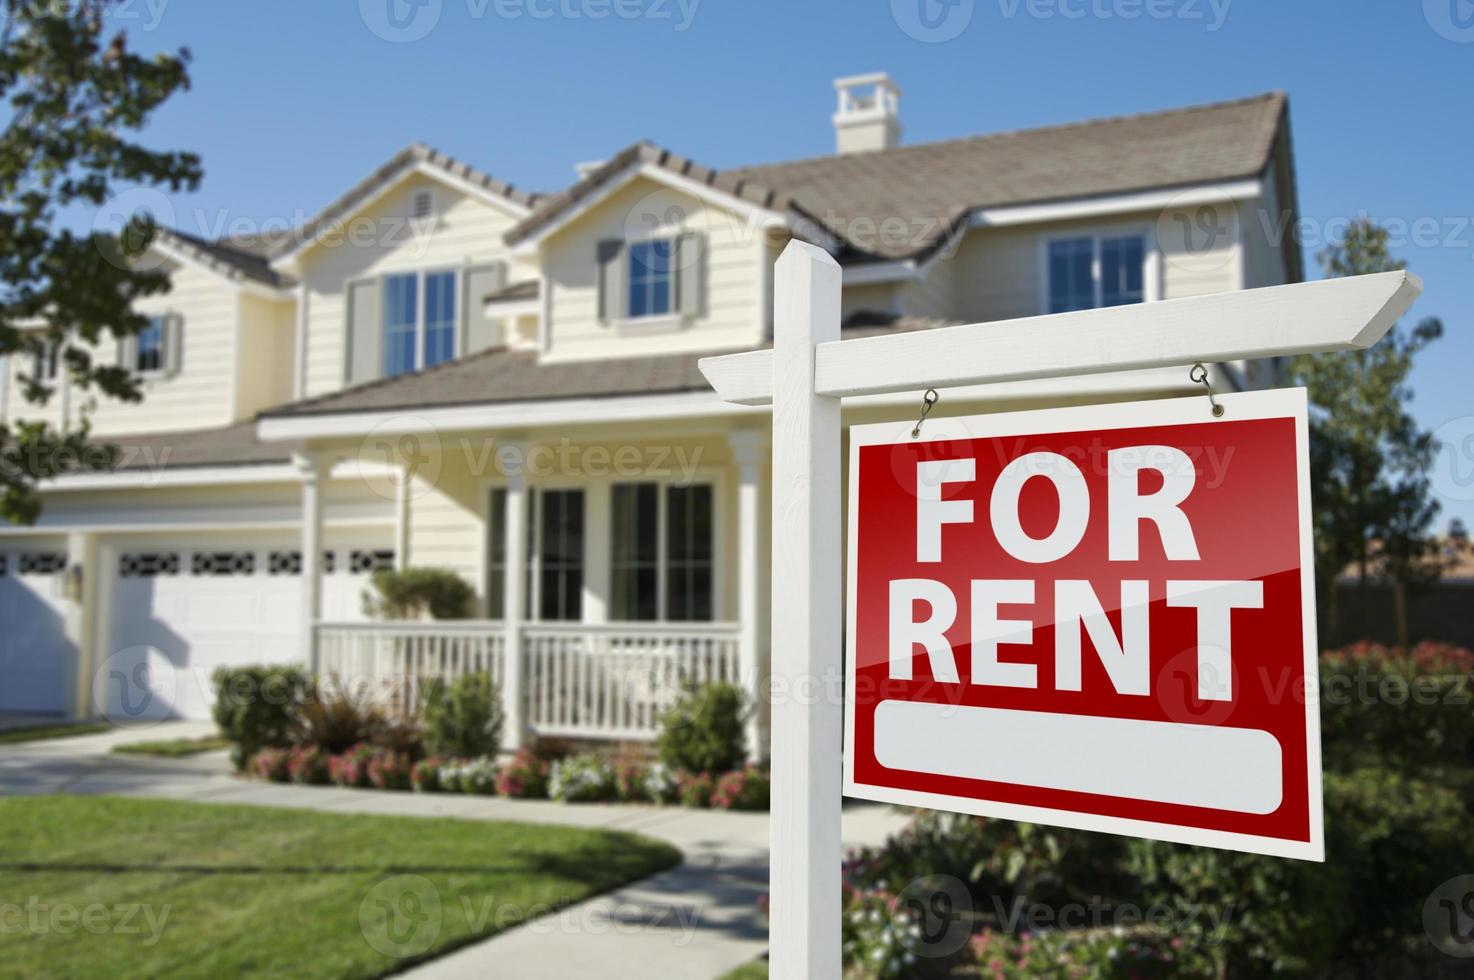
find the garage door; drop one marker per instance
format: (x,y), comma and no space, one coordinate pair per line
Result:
(35,657)
(181,612)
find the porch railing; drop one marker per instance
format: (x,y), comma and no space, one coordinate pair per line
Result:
(579,680)
(392,660)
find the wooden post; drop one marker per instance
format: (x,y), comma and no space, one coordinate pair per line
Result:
(807,660)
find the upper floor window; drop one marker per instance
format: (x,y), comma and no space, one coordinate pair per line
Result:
(650,277)
(662,561)
(148,357)
(418,333)
(45,362)
(1089,271)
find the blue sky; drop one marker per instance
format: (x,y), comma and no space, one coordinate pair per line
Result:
(292,102)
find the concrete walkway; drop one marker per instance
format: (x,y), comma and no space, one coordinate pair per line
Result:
(696,921)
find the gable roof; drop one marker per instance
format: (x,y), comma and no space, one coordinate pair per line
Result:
(411,157)
(227,257)
(933,186)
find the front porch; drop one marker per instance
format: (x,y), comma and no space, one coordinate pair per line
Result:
(602,593)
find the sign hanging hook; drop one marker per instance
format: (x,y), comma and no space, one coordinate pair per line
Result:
(1199,375)
(927,401)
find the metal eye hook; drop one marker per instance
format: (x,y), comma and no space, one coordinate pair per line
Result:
(927,401)
(1199,375)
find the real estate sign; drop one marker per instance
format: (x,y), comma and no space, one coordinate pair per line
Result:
(1097,617)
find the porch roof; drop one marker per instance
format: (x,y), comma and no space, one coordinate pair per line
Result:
(232,445)
(502,375)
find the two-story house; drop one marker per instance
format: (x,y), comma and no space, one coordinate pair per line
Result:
(442,370)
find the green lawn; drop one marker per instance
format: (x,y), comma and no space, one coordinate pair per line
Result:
(38,733)
(173,748)
(752,971)
(94,886)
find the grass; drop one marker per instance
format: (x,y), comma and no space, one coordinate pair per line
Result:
(178,889)
(39,733)
(752,971)
(174,748)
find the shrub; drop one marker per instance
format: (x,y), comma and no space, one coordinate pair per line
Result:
(702,731)
(661,784)
(388,769)
(525,777)
(272,763)
(476,776)
(309,766)
(351,767)
(425,775)
(254,707)
(462,719)
(337,720)
(877,934)
(694,789)
(582,779)
(1096,954)
(1384,706)
(410,593)
(629,781)
(748,788)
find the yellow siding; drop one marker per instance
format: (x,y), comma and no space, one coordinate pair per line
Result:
(871,298)
(467,231)
(730,315)
(198,397)
(264,362)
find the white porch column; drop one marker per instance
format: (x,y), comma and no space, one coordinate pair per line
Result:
(310,470)
(512,458)
(403,490)
(749,447)
(83,577)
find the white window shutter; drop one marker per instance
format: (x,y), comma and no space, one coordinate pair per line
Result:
(127,353)
(482,331)
(690,274)
(365,331)
(611,256)
(173,344)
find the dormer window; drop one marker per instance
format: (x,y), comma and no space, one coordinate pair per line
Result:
(419,321)
(154,352)
(653,284)
(421,204)
(651,279)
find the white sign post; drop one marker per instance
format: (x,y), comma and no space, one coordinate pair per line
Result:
(804,377)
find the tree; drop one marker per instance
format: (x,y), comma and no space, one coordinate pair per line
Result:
(1369,459)
(76,95)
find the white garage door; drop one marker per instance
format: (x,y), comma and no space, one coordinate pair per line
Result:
(35,657)
(181,611)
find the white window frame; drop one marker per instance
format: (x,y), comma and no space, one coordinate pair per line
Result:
(662,557)
(596,540)
(1151,259)
(421,332)
(162,319)
(652,323)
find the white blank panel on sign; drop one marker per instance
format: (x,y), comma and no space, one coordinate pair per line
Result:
(1237,769)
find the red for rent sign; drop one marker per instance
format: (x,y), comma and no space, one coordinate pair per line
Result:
(1094,617)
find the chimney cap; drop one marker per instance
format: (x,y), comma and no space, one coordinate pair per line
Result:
(878,78)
